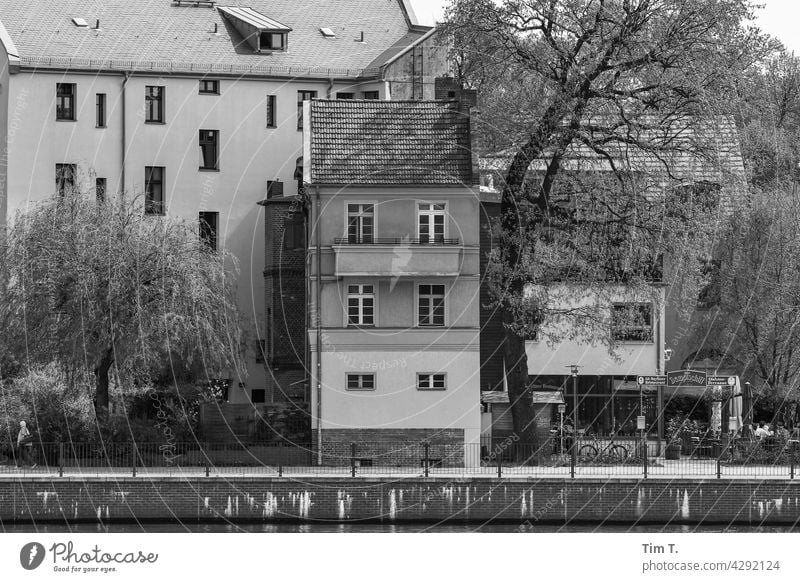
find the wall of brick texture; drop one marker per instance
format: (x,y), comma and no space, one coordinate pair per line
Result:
(392,447)
(392,500)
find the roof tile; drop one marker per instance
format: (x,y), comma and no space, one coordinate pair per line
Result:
(389,142)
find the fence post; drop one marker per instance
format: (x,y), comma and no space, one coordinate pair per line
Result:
(573,457)
(792,455)
(61,459)
(425,448)
(133,452)
(500,465)
(719,466)
(280,470)
(352,459)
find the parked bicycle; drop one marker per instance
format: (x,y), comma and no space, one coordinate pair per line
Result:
(602,448)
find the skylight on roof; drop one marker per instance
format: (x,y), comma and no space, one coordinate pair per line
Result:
(327,32)
(80,22)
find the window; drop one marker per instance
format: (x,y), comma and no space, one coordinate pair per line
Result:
(361,381)
(100,105)
(372,95)
(100,189)
(65,178)
(431,305)
(294,236)
(431,223)
(272,41)
(345,95)
(271,105)
(258,396)
(154,190)
(360,223)
(209,222)
(632,322)
(154,104)
(209,87)
(209,150)
(65,101)
(360,305)
(303,96)
(431,381)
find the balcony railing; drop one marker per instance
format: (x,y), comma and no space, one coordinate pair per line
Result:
(396,241)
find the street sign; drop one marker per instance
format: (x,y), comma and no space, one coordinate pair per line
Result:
(562,408)
(640,423)
(651,380)
(722,380)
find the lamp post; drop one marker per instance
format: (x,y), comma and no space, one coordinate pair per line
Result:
(574,372)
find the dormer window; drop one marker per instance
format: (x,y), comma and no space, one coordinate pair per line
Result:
(263,34)
(272,41)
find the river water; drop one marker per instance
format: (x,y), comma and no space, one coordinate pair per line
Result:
(362,528)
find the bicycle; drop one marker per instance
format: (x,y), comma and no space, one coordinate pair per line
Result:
(597,449)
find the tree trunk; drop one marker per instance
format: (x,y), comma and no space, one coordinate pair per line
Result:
(519,394)
(101,373)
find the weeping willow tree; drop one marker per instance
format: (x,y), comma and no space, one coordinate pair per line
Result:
(605,119)
(102,289)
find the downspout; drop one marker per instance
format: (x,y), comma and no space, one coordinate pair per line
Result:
(318,300)
(329,91)
(127,76)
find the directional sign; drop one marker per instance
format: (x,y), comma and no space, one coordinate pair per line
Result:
(651,380)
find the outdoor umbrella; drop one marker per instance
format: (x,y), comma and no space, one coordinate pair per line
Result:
(736,402)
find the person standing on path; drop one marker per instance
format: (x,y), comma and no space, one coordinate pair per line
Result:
(25,445)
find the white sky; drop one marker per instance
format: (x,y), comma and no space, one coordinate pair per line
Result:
(778,17)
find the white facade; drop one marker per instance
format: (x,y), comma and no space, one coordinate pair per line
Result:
(395,348)
(249,151)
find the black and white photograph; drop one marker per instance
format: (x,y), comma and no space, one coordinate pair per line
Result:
(526,268)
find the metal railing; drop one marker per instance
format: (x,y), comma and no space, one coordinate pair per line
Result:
(425,241)
(584,458)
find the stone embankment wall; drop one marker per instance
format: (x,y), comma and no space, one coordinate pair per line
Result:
(387,500)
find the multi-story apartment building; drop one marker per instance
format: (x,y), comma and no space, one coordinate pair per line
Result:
(193,106)
(393,274)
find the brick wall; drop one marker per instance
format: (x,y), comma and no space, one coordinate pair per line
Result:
(393,447)
(391,500)
(285,301)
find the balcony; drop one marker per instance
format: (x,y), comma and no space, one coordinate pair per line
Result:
(398,257)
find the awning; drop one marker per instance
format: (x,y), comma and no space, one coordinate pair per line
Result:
(538,396)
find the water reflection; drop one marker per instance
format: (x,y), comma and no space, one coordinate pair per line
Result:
(230,527)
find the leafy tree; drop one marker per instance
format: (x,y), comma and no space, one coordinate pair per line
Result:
(105,290)
(578,85)
(755,318)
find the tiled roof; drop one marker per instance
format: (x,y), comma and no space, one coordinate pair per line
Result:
(155,35)
(389,142)
(697,151)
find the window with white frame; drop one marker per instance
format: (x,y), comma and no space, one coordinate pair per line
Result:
(431,223)
(431,305)
(428,381)
(360,305)
(361,381)
(632,322)
(360,223)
